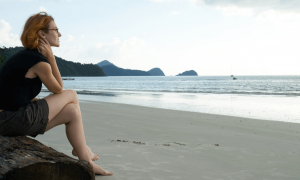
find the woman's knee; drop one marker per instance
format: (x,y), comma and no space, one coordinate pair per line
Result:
(72,111)
(57,102)
(73,95)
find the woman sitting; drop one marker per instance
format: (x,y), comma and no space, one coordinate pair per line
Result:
(21,78)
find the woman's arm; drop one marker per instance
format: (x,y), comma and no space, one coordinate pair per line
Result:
(45,73)
(48,73)
(46,50)
(55,70)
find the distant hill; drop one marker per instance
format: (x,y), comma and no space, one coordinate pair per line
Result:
(104,63)
(111,70)
(156,72)
(66,68)
(7,52)
(69,68)
(188,73)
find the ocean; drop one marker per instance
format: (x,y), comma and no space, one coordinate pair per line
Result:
(259,97)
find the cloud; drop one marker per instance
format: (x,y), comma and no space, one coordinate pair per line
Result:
(46,0)
(101,50)
(247,7)
(234,10)
(70,38)
(111,47)
(159,1)
(70,52)
(115,50)
(42,9)
(256,5)
(275,11)
(6,37)
(175,13)
(131,45)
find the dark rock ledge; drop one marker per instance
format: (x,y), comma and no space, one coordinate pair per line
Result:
(28,159)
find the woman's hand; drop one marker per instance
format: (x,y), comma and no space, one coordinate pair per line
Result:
(45,49)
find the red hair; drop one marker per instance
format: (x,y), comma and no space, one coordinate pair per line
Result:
(30,37)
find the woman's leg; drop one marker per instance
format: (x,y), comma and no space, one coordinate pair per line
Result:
(64,109)
(94,157)
(65,116)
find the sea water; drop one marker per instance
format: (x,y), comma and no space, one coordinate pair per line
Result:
(260,97)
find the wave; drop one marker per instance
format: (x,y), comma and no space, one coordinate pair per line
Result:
(115,92)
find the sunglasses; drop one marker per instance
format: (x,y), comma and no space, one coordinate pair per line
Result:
(55,30)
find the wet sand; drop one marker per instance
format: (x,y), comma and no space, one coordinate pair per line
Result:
(138,142)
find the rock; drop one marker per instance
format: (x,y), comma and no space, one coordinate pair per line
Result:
(28,159)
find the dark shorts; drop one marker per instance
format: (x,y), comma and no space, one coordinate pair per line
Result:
(29,120)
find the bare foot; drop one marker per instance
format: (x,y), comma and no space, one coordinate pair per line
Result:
(94,157)
(99,170)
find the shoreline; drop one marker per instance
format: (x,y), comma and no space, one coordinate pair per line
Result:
(186,111)
(137,142)
(255,107)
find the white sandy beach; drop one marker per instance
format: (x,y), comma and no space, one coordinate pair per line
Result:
(159,144)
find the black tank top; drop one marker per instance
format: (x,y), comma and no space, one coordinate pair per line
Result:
(15,90)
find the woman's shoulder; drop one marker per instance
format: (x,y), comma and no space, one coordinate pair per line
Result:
(23,53)
(24,58)
(30,55)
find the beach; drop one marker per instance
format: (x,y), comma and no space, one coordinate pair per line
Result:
(137,142)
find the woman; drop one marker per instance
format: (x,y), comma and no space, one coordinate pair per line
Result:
(21,78)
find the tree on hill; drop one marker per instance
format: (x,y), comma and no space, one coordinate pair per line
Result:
(7,52)
(66,68)
(2,59)
(69,68)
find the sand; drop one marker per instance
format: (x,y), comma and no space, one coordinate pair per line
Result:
(149,143)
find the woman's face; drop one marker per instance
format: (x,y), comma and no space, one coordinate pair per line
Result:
(53,35)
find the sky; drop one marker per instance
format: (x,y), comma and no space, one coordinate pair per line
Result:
(212,37)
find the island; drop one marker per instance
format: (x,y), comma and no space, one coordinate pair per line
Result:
(156,72)
(188,73)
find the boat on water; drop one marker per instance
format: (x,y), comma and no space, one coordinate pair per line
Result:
(234,78)
(68,78)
